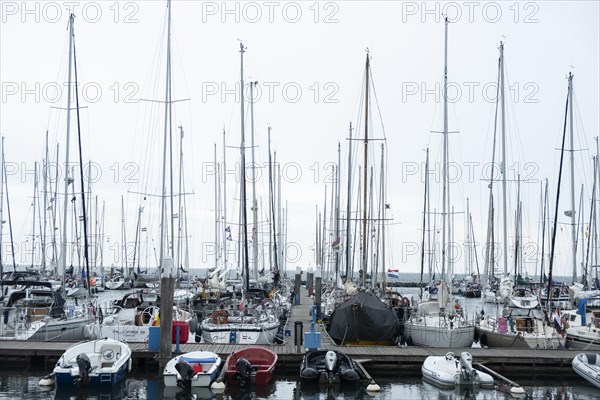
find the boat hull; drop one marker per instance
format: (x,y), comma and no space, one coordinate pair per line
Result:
(313,368)
(207,364)
(445,371)
(108,361)
(587,365)
(69,330)
(240,333)
(438,336)
(262,360)
(583,339)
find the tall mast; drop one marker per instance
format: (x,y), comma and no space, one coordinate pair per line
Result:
(549,291)
(468,261)
(337,214)
(83,201)
(55,259)
(216,208)
(254,203)
(280,231)
(243,175)
(503,166)
(225,207)
(365,173)
(445,188)
(45,205)
(123,238)
(166,142)
(35,178)
(180,198)
(270,218)
(1,209)
(273,262)
(425,220)
(348,203)
(382,221)
(572,160)
(63,253)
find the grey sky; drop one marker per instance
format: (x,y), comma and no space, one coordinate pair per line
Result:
(309,61)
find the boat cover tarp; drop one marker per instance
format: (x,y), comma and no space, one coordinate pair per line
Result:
(363,317)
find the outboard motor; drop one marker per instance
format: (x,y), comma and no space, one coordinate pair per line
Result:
(331,366)
(244,369)
(330,360)
(467,373)
(186,371)
(85,367)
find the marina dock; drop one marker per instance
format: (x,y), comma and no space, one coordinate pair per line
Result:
(388,359)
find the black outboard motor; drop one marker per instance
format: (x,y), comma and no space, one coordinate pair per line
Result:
(85,367)
(243,375)
(186,371)
(468,374)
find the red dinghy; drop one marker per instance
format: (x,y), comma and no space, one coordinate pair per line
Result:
(251,365)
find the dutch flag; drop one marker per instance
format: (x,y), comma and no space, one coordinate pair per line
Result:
(393,274)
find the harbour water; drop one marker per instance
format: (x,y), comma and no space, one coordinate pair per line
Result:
(24,385)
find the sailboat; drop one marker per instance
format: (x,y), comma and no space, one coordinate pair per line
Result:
(363,318)
(36,311)
(520,324)
(437,323)
(249,316)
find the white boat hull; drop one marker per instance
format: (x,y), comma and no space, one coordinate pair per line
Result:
(536,335)
(446,371)
(439,336)
(240,333)
(207,364)
(109,360)
(587,365)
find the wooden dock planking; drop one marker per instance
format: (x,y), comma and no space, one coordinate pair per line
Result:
(381,357)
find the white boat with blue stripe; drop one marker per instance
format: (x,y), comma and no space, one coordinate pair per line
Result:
(94,363)
(193,369)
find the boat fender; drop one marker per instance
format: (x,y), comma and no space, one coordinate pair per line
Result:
(129,365)
(48,380)
(193,324)
(405,301)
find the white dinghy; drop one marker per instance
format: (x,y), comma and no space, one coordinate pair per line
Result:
(587,365)
(448,371)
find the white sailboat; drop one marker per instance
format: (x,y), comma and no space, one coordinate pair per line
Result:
(436,323)
(251,316)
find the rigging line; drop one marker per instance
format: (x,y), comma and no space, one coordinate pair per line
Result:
(514,139)
(81,166)
(553,239)
(377,103)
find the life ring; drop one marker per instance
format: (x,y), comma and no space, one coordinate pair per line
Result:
(405,301)
(219,317)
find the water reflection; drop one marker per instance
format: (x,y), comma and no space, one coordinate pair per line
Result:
(24,385)
(114,392)
(314,391)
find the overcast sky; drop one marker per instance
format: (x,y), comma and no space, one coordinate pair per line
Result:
(308,59)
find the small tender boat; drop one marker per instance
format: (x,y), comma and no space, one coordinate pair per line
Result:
(329,367)
(250,365)
(93,363)
(193,369)
(447,371)
(587,365)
